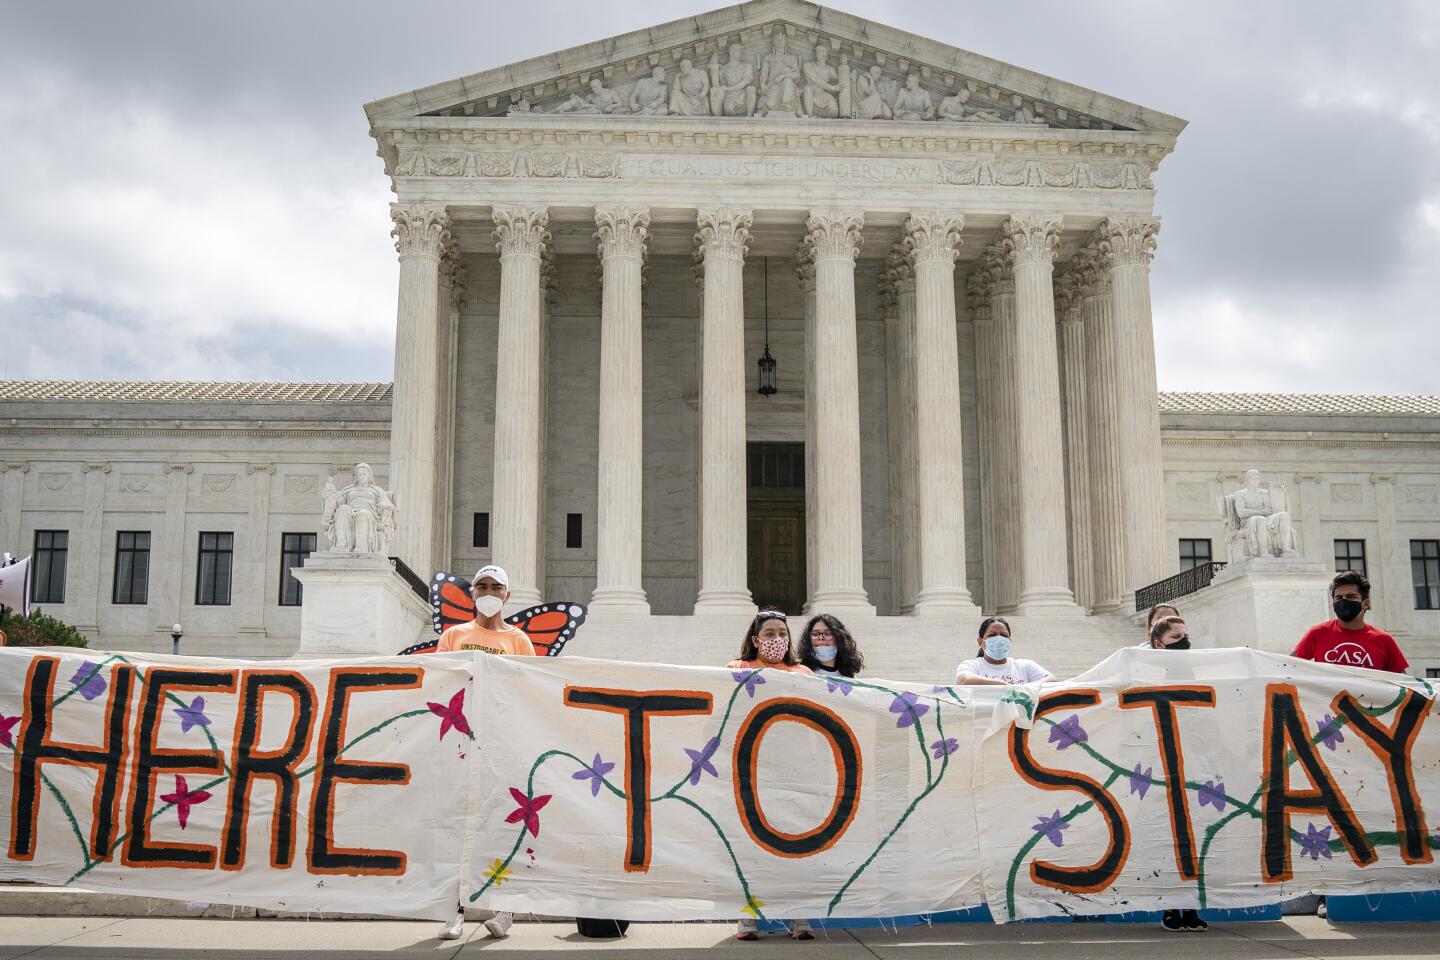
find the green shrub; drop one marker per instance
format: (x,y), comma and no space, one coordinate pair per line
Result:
(41,630)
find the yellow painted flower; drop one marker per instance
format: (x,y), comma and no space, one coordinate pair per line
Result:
(498,872)
(752,906)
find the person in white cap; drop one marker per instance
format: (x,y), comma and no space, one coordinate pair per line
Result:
(488,632)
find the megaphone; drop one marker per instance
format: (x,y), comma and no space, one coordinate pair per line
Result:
(15,586)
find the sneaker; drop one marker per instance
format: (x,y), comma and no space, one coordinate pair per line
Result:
(455,929)
(499,925)
(1193,923)
(801,930)
(747,928)
(1173,921)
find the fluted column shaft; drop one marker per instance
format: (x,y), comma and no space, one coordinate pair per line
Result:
(1077,455)
(805,273)
(1102,433)
(722,238)
(835,239)
(622,233)
(933,241)
(1128,244)
(900,368)
(978,288)
(421,233)
(520,236)
(1004,450)
(453,278)
(1044,544)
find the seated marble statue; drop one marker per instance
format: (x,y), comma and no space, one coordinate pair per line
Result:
(600,99)
(913,103)
(869,99)
(732,85)
(359,518)
(690,93)
(956,109)
(651,96)
(1256,517)
(780,80)
(821,97)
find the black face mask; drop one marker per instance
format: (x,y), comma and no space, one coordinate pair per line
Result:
(1179,645)
(1347,610)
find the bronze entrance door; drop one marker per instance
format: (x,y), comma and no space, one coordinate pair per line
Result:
(776,526)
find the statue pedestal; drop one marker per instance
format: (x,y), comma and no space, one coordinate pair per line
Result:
(357,605)
(1264,603)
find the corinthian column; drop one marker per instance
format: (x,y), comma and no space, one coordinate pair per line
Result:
(1103,426)
(805,273)
(1077,455)
(834,238)
(1004,451)
(1128,243)
(453,279)
(977,287)
(933,242)
(621,232)
(1044,577)
(520,237)
(900,369)
(722,238)
(421,233)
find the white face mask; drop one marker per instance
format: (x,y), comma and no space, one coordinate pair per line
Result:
(997,647)
(489,605)
(825,654)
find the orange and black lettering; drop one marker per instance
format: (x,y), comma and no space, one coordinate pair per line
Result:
(844,750)
(636,706)
(34,747)
(1286,729)
(1162,702)
(1100,874)
(325,856)
(248,764)
(151,760)
(1393,744)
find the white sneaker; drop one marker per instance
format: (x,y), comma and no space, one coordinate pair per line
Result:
(499,925)
(455,929)
(801,930)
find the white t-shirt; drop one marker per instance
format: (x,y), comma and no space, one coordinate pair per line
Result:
(1013,670)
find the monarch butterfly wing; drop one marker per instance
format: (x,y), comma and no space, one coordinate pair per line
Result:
(428,646)
(550,625)
(450,601)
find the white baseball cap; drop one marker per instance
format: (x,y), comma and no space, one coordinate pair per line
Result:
(495,573)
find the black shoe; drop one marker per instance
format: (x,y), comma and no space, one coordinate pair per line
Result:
(1192,921)
(1173,921)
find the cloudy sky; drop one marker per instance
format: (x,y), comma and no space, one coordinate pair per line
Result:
(188,190)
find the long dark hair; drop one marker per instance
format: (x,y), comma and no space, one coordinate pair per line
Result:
(1155,613)
(848,659)
(750,647)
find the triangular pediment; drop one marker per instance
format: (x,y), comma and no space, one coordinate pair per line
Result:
(863,76)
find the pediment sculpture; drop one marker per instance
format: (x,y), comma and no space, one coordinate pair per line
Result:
(1257,520)
(359,517)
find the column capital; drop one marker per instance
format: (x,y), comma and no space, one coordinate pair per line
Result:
(549,274)
(22,465)
(454,277)
(1378,478)
(805,267)
(722,232)
(933,236)
(997,265)
(621,231)
(1069,304)
(1031,239)
(186,468)
(900,270)
(254,468)
(977,287)
(421,229)
(102,465)
(1127,241)
(1089,267)
(521,231)
(834,234)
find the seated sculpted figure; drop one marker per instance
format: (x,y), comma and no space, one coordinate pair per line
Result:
(912,102)
(732,85)
(600,99)
(358,518)
(821,97)
(1256,516)
(690,93)
(651,96)
(957,109)
(780,80)
(869,100)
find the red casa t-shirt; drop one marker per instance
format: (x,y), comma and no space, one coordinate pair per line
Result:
(1329,642)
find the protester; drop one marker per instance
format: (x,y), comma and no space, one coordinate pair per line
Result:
(1168,633)
(489,633)
(827,648)
(994,665)
(767,645)
(1348,640)
(1169,610)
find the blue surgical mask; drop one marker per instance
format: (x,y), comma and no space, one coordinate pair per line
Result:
(825,654)
(997,647)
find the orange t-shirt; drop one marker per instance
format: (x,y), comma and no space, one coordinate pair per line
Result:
(472,636)
(762,665)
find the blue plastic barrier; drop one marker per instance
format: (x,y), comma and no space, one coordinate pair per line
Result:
(1384,907)
(1270,911)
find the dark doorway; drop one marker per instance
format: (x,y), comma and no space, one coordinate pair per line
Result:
(776,525)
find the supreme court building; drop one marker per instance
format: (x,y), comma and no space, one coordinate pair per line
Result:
(946,257)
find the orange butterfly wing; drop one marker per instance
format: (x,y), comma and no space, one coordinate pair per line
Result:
(450,601)
(550,625)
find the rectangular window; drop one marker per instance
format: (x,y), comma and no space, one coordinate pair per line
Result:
(572,531)
(1194,553)
(1350,555)
(294,548)
(52,549)
(1425,571)
(212,578)
(1432,673)
(481,536)
(132,567)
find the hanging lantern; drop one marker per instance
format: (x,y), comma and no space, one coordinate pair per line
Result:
(767,362)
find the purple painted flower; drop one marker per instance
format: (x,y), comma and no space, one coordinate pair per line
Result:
(700,761)
(909,707)
(1315,842)
(1213,794)
(1051,826)
(88,681)
(1140,781)
(1068,732)
(832,684)
(595,773)
(1329,732)
(943,748)
(751,679)
(193,715)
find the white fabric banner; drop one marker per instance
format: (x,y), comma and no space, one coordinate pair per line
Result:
(597,788)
